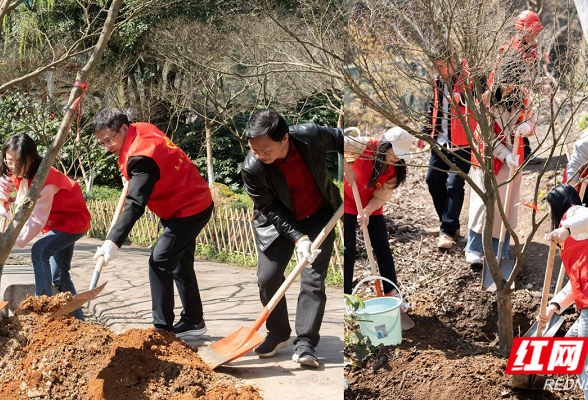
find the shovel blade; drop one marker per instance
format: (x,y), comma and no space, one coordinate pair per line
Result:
(79,300)
(551,329)
(229,348)
(506,266)
(406,322)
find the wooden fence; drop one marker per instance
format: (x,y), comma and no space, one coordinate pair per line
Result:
(229,231)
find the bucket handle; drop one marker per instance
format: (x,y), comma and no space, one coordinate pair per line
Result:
(373,278)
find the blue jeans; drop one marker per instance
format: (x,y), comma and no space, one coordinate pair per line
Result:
(447,188)
(475,244)
(580,329)
(51,256)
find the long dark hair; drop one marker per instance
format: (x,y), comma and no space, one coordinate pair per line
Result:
(26,152)
(560,199)
(380,162)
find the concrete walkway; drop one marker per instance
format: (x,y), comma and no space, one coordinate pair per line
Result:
(231,300)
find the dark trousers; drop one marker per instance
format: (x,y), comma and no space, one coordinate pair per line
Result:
(379,238)
(447,188)
(271,265)
(172,260)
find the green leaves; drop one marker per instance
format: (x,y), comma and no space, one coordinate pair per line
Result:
(583,122)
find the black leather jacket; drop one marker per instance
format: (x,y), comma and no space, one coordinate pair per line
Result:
(266,184)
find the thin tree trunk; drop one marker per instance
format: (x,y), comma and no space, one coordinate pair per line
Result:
(121,96)
(209,165)
(23,212)
(340,123)
(505,327)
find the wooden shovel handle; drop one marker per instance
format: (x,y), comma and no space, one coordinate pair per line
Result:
(316,243)
(368,242)
(100,261)
(506,202)
(547,282)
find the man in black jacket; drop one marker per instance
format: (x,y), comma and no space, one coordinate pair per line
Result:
(285,173)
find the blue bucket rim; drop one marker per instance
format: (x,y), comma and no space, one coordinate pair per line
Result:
(361,310)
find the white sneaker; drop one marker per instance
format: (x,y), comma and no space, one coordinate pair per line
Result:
(473,258)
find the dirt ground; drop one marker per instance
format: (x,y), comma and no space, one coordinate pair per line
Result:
(63,358)
(452,351)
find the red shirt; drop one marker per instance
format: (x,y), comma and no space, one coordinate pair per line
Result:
(304,192)
(180,191)
(363,168)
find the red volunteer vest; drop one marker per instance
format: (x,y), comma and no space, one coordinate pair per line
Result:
(458,133)
(180,191)
(583,173)
(574,256)
(498,132)
(363,168)
(68,213)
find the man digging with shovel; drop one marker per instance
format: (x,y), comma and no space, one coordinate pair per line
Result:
(286,175)
(161,177)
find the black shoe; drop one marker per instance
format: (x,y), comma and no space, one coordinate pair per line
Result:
(270,346)
(184,329)
(306,355)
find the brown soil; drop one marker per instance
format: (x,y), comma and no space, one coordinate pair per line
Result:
(452,353)
(63,358)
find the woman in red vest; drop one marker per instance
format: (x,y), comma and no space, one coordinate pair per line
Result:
(379,168)
(569,224)
(60,213)
(507,102)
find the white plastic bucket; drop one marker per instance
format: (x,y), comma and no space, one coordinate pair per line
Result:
(380,318)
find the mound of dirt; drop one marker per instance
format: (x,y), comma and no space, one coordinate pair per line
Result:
(64,358)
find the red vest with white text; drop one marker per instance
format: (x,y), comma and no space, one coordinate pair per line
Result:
(180,191)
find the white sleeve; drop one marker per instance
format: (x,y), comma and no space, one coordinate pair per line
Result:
(564,298)
(577,221)
(39,216)
(578,158)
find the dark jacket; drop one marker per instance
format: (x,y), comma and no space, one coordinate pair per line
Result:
(427,127)
(266,184)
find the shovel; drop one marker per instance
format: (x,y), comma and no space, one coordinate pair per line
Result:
(533,381)
(506,266)
(368,242)
(556,320)
(100,261)
(245,338)
(83,297)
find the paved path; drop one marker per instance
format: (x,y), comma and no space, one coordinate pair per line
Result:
(230,298)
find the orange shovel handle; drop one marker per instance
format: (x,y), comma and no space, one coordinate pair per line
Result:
(299,266)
